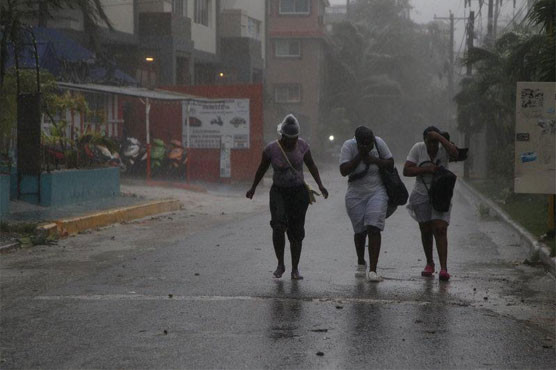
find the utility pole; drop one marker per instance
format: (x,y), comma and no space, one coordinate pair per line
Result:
(490,32)
(468,73)
(452,19)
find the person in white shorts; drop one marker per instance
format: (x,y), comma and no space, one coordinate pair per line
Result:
(422,162)
(366,198)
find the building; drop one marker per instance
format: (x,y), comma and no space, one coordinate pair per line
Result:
(242,35)
(295,65)
(179,41)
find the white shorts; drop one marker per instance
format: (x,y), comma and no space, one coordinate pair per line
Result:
(367,211)
(424,212)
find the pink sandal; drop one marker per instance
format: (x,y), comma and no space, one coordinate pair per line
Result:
(428,271)
(443,275)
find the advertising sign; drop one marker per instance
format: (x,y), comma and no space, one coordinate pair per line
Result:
(225,157)
(535,138)
(209,120)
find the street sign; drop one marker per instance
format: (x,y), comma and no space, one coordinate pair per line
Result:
(535,140)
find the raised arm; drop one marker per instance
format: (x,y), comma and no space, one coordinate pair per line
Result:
(447,144)
(263,167)
(410,169)
(310,163)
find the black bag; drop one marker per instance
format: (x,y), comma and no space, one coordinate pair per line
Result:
(442,188)
(395,188)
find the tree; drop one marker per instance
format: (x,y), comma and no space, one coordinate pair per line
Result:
(487,99)
(14,13)
(387,72)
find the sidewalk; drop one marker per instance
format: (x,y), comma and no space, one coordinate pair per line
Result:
(538,251)
(50,222)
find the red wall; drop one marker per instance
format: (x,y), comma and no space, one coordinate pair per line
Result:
(204,164)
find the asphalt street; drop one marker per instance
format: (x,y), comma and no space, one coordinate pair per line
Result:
(207,298)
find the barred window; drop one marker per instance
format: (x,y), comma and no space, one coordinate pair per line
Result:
(202,12)
(287,93)
(179,7)
(287,48)
(294,7)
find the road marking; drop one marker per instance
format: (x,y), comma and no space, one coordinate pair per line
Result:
(142,297)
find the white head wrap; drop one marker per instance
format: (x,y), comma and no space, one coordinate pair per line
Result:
(289,127)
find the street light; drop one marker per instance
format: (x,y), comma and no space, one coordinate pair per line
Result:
(149,59)
(221,74)
(331,138)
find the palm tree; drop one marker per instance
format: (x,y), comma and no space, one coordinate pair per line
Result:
(13,14)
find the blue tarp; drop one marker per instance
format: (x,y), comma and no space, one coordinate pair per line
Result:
(56,51)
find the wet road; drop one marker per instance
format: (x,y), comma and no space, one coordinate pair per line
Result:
(208,301)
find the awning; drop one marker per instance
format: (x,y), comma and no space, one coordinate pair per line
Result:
(61,55)
(137,92)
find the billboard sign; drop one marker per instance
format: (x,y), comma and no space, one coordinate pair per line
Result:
(535,138)
(210,120)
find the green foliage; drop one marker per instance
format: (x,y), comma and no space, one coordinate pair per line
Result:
(526,53)
(8,98)
(387,72)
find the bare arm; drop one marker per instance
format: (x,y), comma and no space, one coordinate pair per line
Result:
(310,163)
(263,167)
(381,162)
(348,167)
(450,148)
(410,169)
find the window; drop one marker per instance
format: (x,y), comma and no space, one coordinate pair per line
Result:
(287,48)
(202,12)
(254,28)
(294,7)
(179,7)
(287,93)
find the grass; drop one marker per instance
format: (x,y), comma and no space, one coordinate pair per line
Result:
(529,210)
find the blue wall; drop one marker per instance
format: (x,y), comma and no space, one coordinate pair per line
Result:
(4,194)
(71,186)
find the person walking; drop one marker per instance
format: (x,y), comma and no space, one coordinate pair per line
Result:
(289,197)
(366,198)
(422,162)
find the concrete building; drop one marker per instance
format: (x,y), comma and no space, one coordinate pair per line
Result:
(181,38)
(295,65)
(242,41)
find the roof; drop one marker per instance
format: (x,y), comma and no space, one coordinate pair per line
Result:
(137,92)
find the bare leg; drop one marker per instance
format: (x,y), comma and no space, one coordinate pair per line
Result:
(374,246)
(295,248)
(359,240)
(427,240)
(440,231)
(279,241)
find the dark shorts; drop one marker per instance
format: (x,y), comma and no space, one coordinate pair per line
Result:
(288,207)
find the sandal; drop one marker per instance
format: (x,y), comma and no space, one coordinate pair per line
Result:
(443,275)
(428,270)
(296,275)
(279,271)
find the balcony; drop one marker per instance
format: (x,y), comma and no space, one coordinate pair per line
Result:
(164,24)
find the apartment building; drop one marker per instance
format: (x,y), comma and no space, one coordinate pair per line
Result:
(242,41)
(179,40)
(295,65)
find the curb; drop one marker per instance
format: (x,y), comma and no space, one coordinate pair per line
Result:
(9,247)
(177,185)
(538,251)
(75,225)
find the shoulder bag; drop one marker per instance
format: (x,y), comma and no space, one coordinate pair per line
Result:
(310,191)
(395,188)
(442,188)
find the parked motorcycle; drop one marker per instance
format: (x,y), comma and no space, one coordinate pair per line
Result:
(133,156)
(177,160)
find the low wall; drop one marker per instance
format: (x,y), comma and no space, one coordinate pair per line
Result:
(71,186)
(4,194)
